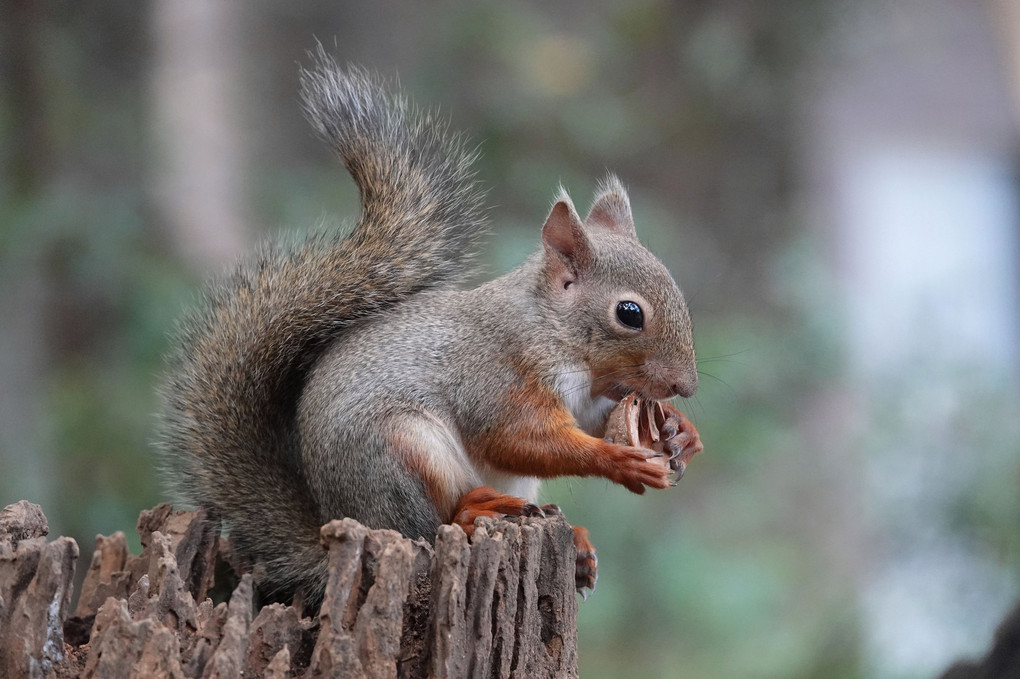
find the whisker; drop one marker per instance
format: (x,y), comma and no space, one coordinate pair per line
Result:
(713,358)
(582,387)
(684,402)
(614,373)
(701,406)
(575,372)
(567,372)
(721,359)
(723,382)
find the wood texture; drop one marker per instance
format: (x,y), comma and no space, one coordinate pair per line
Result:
(501,605)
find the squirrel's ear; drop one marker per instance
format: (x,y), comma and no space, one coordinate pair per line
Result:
(566,244)
(611,209)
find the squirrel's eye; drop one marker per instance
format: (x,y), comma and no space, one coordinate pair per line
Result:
(629,313)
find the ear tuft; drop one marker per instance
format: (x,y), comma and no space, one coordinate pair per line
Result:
(611,208)
(564,237)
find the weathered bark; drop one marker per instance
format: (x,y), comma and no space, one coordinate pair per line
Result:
(35,592)
(501,605)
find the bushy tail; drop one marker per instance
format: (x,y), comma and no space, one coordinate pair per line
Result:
(229,399)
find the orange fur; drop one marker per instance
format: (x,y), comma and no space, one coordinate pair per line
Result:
(486,501)
(586,564)
(442,490)
(536,436)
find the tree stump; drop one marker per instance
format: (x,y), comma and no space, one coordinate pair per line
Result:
(501,605)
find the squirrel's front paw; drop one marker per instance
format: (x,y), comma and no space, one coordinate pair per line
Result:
(635,468)
(655,426)
(679,438)
(586,572)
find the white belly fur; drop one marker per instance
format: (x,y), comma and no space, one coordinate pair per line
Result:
(573,384)
(511,484)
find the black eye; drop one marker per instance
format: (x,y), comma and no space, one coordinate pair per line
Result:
(629,313)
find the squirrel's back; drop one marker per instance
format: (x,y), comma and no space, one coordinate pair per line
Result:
(228,434)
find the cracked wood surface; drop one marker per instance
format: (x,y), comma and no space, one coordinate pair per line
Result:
(500,605)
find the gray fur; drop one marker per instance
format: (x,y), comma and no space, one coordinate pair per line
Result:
(227,433)
(315,381)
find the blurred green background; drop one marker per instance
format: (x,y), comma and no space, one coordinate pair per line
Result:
(833,184)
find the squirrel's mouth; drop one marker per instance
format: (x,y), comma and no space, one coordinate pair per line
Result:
(650,386)
(646,390)
(617,392)
(655,382)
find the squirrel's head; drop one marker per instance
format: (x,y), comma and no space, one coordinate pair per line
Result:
(624,314)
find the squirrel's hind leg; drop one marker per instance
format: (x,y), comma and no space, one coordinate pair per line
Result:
(431,450)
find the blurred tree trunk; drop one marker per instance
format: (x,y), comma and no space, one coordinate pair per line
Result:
(23,85)
(1006,19)
(23,355)
(197,118)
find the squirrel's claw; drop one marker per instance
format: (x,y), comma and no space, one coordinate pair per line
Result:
(531,509)
(666,437)
(586,572)
(552,510)
(488,502)
(681,439)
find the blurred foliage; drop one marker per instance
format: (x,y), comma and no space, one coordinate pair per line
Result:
(735,573)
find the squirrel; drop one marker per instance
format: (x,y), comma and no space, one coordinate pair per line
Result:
(350,376)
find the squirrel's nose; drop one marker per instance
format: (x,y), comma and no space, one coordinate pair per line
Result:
(685,388)
(669,381)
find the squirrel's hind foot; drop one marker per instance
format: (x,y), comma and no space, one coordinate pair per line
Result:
(487,501)
(586,573)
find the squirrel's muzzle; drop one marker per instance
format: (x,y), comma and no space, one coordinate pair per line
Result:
(685,388)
